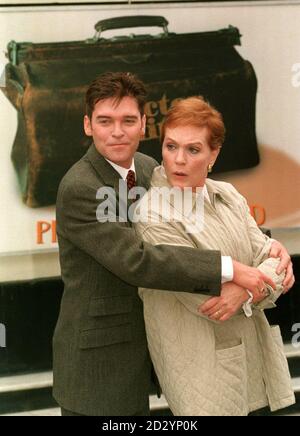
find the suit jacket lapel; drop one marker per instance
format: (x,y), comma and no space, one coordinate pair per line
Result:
(107,173)
(142,178)
(110,176)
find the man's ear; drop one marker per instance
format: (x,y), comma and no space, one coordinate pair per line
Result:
(87,126)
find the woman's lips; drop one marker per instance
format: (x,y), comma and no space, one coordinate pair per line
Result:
(180,174)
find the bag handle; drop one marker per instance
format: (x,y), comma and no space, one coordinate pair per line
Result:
(131,21)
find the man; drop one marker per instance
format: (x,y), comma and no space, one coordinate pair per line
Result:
(101,361)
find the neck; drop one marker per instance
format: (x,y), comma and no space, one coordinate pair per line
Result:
(126,165)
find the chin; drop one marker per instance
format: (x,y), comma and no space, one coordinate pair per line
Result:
(121,157)
(178,185)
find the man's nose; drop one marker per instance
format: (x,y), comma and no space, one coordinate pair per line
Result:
(117,130)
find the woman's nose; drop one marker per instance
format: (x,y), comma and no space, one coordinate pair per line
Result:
(180,157)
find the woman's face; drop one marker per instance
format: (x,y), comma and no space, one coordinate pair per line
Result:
(187,155)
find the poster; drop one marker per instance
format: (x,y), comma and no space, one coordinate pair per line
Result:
(28,245)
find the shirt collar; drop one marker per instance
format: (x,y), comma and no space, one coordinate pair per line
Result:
(214,191)
(211,190)
(205,193)
(121,170)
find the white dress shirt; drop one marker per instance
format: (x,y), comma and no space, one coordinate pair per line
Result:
(121,170)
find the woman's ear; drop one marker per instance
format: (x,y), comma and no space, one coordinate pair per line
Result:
(214,155)
(87,126)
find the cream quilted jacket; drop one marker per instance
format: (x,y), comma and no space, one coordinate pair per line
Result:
(206,367)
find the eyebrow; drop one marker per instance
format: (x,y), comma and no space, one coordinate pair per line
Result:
(195,143)
(132,117)
(188,145)
(107,117)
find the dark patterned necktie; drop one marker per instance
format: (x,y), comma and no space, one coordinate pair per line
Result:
(130,179)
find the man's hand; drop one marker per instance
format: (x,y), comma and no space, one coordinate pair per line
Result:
(224,307)
(278,250)
(252,279)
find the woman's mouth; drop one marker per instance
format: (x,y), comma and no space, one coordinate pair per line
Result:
(180,174)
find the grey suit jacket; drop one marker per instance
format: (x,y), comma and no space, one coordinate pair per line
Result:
(101,363)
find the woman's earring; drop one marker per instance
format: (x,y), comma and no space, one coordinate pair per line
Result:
(210,167)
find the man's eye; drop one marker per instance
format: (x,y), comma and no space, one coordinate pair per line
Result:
(104,122)
(130,121)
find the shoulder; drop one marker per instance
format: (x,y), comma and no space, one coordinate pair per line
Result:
(225,189)
(145,160)
(79,180)
(145,165)
(148,214)
(221,186)
(147,208)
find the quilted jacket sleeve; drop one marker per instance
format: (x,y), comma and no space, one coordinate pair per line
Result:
(261,243)
(269,268)
(164,233)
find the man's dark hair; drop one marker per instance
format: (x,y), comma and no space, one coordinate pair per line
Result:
(118,86)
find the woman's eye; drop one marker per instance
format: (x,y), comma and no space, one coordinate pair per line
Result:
(170,147)
(193,150)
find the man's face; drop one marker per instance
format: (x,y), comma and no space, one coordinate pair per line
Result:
(116,128)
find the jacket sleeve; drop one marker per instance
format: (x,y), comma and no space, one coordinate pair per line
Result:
(166,233)
(269,267)
(116,246)
(261,243)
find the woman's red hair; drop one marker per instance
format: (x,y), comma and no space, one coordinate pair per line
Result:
(196,112)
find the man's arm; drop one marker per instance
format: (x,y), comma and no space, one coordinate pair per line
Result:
(224,307)
(251,278)
(116,246)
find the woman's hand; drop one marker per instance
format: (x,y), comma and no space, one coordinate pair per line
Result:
(279,251)
(224,307)
(252,279)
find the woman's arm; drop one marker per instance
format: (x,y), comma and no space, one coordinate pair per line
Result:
(278,250)
(261,243)
(265,247)
(269,267)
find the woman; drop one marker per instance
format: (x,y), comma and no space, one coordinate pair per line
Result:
(205,366)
